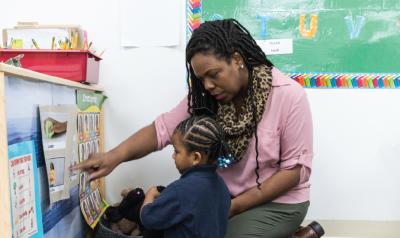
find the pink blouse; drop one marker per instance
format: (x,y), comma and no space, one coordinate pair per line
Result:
(285,140)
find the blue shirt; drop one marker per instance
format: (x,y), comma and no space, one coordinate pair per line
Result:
(196,205)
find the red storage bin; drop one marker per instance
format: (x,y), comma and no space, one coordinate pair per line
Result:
(75,65)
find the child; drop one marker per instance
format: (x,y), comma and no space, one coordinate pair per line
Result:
(197,204)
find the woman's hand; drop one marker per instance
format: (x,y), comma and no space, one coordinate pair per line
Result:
(98,165)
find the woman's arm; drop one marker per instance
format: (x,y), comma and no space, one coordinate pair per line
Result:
(148,139)
(136,146)
(140,144)
(273,187)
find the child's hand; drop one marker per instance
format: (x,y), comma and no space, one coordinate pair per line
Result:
(152,193)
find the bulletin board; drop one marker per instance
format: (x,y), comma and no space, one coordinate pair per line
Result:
(21,93)
(336,43)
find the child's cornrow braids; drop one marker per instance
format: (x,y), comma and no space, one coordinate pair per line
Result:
(202,133)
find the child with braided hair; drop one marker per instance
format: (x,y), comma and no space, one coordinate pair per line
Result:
(197,204)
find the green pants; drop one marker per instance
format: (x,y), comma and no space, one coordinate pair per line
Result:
(270,220)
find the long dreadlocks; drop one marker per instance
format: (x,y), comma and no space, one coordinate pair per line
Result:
(222,38)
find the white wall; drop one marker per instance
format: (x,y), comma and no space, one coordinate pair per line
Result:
(357,154)
(357,144)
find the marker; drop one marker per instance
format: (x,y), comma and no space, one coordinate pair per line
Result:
(35,44)
(101,53)
(52,42)
(85,40)
(67,43)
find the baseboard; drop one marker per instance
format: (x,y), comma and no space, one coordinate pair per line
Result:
(359,229)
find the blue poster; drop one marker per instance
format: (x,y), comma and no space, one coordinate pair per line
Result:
(26,213)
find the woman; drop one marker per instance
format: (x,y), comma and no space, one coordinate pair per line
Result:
(267,121)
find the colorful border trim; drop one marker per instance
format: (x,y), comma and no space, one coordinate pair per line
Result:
(341,80)
(193,10)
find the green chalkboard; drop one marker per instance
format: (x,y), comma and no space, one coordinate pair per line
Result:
(352,36)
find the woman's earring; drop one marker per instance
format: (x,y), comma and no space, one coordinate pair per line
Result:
(241,66)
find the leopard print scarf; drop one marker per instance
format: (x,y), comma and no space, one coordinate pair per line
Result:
(240,128)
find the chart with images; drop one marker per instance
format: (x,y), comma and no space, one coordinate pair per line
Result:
(23,195)
(88,123)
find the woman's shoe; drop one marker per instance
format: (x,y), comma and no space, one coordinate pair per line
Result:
(313,230)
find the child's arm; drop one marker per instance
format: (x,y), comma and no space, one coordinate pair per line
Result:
(163,212)
(151,195)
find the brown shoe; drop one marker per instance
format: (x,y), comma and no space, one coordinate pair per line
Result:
(313,230)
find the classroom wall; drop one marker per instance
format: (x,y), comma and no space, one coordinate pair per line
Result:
(356,154)
(140,82)
(355,171)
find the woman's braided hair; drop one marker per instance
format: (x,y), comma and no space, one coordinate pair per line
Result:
(222,38)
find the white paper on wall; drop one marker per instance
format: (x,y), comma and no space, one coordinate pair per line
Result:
(149,23)
(276,46)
